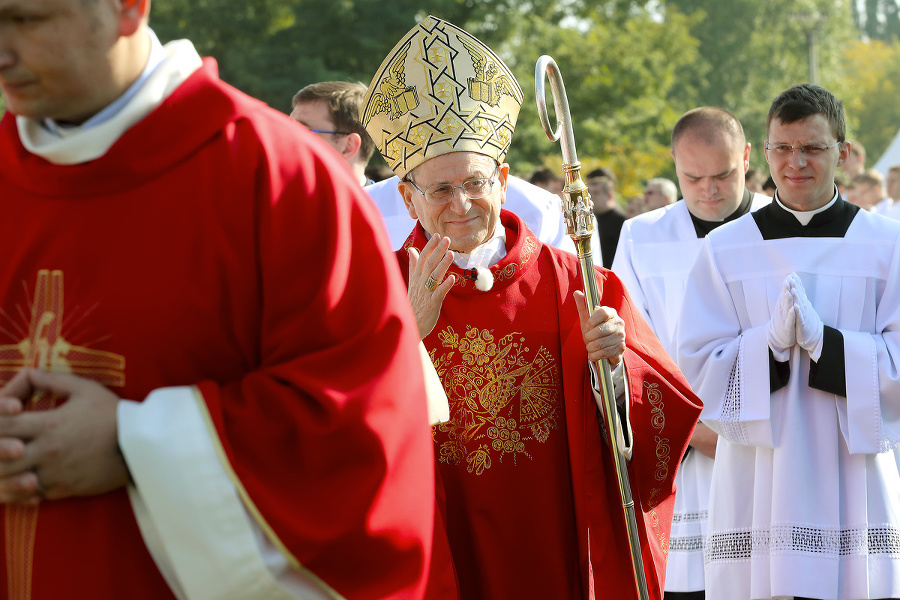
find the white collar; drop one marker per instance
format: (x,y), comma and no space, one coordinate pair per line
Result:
(83,144)
(487,254)
(805,216)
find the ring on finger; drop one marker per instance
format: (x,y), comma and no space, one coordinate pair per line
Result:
(431,284)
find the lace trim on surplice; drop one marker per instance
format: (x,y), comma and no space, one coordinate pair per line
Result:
(731,425)
(876,539)
(690,517)
(688,543)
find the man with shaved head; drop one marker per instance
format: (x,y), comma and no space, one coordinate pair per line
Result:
(656,251)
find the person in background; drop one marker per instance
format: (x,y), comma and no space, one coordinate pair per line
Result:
(890,206)
(609,216)
(802,294)
(754,181)
(655,254)
(330,109)
(548,179)
(634,206)
(659,192)
(526,504)
(868,189)
(190,279)
(768,187)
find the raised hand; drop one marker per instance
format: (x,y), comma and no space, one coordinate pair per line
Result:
(427,286)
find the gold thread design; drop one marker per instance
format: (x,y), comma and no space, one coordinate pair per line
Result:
(44,347)
(395,97)
(440,90)
(658,422)
(504,397)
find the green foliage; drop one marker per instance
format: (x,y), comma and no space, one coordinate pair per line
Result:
(878,19)
(873,76)
(755,49)
(632,67)
(619,80)
(272,48)
(2,105)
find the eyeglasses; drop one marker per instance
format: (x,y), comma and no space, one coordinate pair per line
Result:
(442,193)
(326,131)
(806,149)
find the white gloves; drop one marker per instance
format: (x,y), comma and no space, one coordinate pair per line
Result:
(781,331)
(810,329)
(794,321)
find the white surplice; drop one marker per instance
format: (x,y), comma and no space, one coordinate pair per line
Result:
(806,492)
(653,259)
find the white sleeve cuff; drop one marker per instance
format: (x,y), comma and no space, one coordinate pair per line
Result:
(620,390)
(190,512)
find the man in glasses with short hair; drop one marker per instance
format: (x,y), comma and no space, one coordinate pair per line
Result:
(526,504)
(790,332)
(330,109)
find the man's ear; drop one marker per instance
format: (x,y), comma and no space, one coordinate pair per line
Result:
(134,13)
(407,191)
(503,178)
(845,153)
(352,142)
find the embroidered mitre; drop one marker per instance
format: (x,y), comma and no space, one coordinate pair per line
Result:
(440,90)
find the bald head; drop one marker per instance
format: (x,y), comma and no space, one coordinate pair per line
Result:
(711,157)
(709,124)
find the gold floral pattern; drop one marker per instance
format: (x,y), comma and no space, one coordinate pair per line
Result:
(504,397)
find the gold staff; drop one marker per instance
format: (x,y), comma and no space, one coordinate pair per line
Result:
(579,216)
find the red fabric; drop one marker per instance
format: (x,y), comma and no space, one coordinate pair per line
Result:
(214,245)
(533,290)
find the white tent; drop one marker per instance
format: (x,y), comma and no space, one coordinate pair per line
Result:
(890,157)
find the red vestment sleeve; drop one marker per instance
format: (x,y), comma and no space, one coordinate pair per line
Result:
(664,412)
(327,433)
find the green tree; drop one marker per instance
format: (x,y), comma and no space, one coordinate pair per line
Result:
(2,105)
(873,76)
(878,19)
(621,78)
(272,48)
(757,48)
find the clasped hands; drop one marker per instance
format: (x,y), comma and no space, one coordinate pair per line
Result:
(70,450)
(794,321)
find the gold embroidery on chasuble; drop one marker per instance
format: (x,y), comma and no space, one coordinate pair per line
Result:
(663,454)
(41,345)
(504,397)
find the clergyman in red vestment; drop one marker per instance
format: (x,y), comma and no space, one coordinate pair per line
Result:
(527,500)
(192,280)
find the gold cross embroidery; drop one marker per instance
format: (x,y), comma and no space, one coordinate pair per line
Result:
(45,348)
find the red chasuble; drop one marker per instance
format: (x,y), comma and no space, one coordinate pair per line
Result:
(213,246)
(528,505)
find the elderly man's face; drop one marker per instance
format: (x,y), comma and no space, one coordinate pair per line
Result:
(468,222)
(654,197)
(711,173)
(56,58)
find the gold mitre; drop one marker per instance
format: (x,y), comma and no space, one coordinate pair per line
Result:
(440,90)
